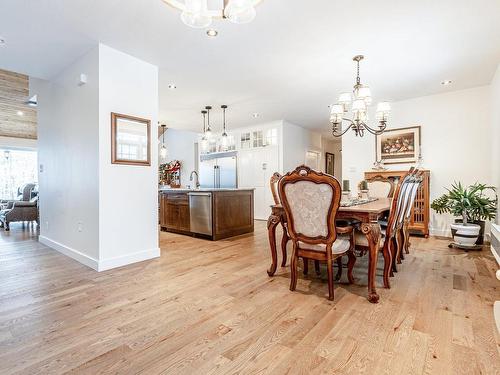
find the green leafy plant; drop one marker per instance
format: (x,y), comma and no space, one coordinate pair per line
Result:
(473,203)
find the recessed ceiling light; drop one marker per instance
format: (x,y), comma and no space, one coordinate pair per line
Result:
(212,33)
(446,82)
(20,113)
(255,115)
(172,86)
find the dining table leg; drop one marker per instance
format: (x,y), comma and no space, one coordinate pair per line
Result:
(372,233)
(272,223)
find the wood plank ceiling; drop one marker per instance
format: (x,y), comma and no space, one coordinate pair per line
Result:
(17,119)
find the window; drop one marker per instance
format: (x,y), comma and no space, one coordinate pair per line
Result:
(271,137)
(258,138)
(17,167)
(245,140)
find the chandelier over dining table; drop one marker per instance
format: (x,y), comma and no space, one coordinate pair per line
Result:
(357,103)
(200,13)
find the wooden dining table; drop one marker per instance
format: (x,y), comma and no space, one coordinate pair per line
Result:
(367,214)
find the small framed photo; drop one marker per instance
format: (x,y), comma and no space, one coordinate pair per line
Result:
(396,146)
(130,140)
(330,163)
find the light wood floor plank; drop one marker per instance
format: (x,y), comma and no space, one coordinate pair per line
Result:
(210,308)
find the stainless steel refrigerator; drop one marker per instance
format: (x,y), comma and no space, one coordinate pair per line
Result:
(218,171)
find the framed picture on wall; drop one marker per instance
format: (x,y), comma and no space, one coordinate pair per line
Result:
(330,163)
(130,140)
(397,146)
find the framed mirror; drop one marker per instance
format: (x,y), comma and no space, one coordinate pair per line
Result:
(130,140)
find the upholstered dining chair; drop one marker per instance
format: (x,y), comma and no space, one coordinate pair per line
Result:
(389,243)
(311,200)
(380,187)
(273,183)
(404,233)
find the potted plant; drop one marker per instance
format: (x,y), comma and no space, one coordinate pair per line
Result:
(473,205)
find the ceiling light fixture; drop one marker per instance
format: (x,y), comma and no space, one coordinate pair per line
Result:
(208,132)
(212,33)
(255,115)
(224,137)
(204,140)
(2,41)
(172,86)
(361,98)
(163,149)
(196,14)
(446,82)
(20,113)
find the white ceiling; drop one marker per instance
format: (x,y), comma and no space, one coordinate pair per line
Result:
(289,63)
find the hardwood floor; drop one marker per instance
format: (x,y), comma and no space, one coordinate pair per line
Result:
(210,308)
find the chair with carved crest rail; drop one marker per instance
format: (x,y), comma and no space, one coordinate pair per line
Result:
(390,242)
(380,187)
(311,200)
(403,225)
(273,183)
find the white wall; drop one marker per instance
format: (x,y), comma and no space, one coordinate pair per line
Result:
(68,143)
(181,146)
(296,142)
(456,143)
(495,135)
(128,194)
(101,214)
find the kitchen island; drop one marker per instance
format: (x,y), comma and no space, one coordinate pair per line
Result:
(208,213)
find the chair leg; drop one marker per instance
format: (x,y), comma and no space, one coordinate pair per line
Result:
(293,269)
(7,227)
(329,269)
(397,238)
(316,268)
(338,276)
(284,241)
(350,266)
(305,262)
(386,251)
(401,237)
(394,250)
(407,238)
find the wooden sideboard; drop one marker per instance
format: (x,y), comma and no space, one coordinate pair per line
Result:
(421,208)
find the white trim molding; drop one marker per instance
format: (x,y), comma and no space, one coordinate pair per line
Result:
(104,264)
(68,251)
(107,264)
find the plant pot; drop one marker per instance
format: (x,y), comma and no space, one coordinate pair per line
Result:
(481,223)
(465,235)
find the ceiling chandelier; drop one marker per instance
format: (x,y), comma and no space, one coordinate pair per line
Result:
(358,102)
(198,14)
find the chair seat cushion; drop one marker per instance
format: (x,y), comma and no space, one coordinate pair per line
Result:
(340,246)
(360,238)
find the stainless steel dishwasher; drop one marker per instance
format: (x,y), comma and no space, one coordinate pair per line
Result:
(200,212)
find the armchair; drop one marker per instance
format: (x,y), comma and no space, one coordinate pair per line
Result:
(19,211)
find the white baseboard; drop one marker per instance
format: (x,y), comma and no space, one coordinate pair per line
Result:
(72,253)
(107,264)
(100,265)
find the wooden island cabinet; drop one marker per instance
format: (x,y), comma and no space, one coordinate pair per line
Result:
(209,213)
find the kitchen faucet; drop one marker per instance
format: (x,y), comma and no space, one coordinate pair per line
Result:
(197,179)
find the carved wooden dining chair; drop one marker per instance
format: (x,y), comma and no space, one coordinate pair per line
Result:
(404,233)
(311,200)
(380,187)
(273,184)
(388,244)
